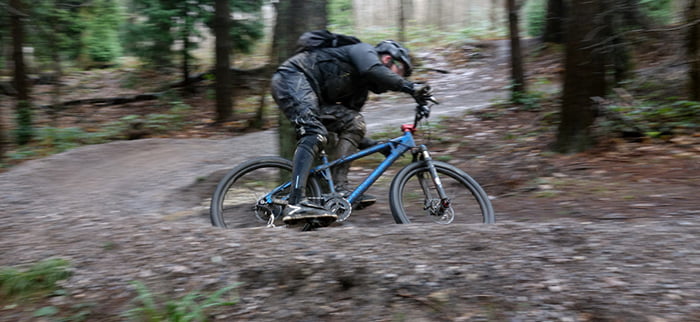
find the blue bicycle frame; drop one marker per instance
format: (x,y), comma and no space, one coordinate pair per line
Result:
(397,146)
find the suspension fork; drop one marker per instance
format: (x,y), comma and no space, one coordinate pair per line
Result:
(422,154)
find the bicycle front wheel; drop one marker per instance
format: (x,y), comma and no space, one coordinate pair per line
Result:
(414,197)
(240,201)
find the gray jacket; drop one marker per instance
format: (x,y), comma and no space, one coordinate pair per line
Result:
(345,75)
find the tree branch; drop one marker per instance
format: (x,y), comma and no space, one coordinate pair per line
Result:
(107,100)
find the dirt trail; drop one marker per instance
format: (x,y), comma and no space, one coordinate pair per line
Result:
(125,177)
(126,211)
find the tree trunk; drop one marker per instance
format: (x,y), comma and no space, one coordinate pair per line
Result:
(693,49)
(554,26)
(402,21)
(20,75)
(438,15)
(516,57)
(52,38)
(294,17)
(584,78)
(495,18)
(185,34)
(222,25)
(3,139)
(23,111)
(616,48)
(186,63)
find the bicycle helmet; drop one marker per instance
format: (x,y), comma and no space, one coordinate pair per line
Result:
(396,51)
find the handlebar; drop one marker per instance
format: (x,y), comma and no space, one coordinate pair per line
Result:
(423,105)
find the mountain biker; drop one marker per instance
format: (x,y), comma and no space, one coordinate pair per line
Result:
(323,90)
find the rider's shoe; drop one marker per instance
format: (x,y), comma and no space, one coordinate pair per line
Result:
(364,201)
(305,210)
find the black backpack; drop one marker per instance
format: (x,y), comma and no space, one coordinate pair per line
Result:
(311,40)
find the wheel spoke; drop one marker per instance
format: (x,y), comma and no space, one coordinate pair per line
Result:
(240,200)
(414,197)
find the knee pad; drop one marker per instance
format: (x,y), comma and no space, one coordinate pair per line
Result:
(312,143)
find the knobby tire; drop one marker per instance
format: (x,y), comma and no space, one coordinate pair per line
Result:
(234,202)
(469,201)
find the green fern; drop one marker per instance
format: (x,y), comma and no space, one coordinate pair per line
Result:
(190,307)
(41,276)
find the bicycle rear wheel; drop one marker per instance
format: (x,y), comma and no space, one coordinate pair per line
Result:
(414,197)
(238,200)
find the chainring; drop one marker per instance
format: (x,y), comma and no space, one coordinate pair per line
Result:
(339,206)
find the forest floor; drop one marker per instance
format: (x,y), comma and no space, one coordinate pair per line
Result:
(609,234)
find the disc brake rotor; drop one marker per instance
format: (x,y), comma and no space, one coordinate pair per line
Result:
(447,217)
(443,217)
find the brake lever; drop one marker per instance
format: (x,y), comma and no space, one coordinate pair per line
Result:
(423,108)
(432,99)
(424,100)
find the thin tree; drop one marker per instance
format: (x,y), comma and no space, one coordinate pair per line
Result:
(3,25)
(24,118)
(186,32)
(693,49)
(584,78)
(294,17)
(402,20)
(494,13)
(17,25)
(554,25)
(222,26)
(516,56)
(3,139)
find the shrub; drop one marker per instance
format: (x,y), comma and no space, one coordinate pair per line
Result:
(41,276)
(25,131)
(190,307)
